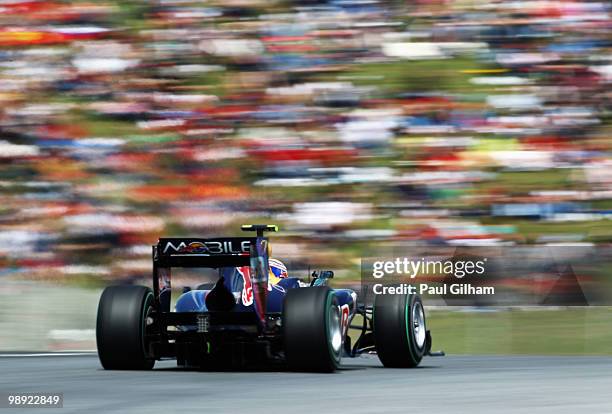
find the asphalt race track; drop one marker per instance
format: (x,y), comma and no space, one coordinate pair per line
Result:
(452,384)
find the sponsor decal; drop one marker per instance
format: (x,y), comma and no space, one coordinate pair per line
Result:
(207,247)
(344,318)
(194,247)
(247,287)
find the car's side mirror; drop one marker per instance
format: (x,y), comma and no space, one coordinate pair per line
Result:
(322,274)
(319,277)
(326,274)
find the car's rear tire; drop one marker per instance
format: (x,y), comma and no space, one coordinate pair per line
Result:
(312,329)
(121,326)
(399,330)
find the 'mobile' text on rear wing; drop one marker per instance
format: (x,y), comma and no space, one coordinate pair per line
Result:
(197,252)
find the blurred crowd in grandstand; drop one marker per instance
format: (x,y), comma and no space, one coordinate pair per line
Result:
(349,123)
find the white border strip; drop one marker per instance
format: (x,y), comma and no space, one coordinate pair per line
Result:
(50,354)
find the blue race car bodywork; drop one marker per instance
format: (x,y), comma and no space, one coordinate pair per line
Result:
(236,281)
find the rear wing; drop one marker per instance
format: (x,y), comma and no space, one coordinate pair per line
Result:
(195,252)
(251,252)
(222,252)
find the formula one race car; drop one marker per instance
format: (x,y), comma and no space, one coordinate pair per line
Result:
(244,320)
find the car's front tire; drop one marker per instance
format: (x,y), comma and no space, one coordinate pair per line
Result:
(400,332)
(121,327)
(312,329)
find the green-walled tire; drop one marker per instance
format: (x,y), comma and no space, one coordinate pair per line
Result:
(399,330)
(312,329)
(121,326)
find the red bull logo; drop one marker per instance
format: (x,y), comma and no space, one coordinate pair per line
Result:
(247,289)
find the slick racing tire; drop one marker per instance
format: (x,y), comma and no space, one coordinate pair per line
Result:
(121,325)
(399,330)
(312,329)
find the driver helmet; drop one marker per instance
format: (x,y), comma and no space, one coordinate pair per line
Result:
(278,268)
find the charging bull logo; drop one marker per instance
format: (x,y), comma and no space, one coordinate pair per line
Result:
(247,287)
